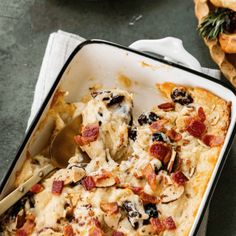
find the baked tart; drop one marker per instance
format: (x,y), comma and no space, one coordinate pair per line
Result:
(217,26)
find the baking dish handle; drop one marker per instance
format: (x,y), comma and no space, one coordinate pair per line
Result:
(171,48)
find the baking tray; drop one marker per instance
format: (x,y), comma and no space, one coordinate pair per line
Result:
(102,63)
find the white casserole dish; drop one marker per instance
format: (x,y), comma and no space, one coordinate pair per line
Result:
(99,62)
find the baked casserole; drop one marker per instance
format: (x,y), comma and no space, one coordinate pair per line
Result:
(146,176)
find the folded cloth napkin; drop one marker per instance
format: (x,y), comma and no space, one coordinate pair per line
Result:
(60,46)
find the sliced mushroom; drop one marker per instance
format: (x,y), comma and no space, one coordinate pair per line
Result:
(49,231)
(146,230)
(171,193)
(106,182)
(112,220)
(77,174)
(201,143)
(191,171)
(212,108)
(163,178)
(187,110)
(109,207)
(72,175)
(171,161)
(215,118)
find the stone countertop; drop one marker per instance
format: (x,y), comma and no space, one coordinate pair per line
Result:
(25,26)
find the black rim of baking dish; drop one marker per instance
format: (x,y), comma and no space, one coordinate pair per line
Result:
(97,41)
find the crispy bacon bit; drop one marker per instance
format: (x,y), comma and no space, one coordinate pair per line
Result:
(157,225)
(95,231)
(117,233)
(136,190)
(137,175)
(28,226)
(216,141)
(149,174)
(162,225)
(37,188)
(201,114)
(168,106)
(185,142)
(110,207)
(212,140)
(96,222)
(21,232)
(88,183)
(104,175)
(158,125)
(89,134)
(105,179)
(117,179)
(196,128)
(81,224)
(160,151)
(68,230)
(146,198)
(79,140)
(30,217)
(91,213)
(179,178)
(173,135)
(57,187)
(169,223)
(207,139)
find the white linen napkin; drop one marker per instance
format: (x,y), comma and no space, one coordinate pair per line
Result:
(60,46)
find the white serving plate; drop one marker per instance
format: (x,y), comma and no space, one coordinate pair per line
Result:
(99,62)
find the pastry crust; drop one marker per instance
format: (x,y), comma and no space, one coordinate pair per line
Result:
(220,57)
(228,42)
(231,4)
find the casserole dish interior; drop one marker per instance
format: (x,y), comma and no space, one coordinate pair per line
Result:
(104,65)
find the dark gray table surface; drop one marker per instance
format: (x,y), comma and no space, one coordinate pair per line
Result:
(25,26)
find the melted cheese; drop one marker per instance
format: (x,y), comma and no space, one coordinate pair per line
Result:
(113,144)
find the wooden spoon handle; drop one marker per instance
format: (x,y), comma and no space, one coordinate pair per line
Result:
(19,192)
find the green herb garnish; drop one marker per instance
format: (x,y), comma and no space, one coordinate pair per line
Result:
(221,20)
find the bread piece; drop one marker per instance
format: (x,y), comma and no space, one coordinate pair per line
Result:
(231,4)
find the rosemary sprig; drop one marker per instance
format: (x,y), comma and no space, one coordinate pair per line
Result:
(219,21)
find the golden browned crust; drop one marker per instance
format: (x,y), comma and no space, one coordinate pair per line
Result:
(217,113)
(212,104)
(217,54)
(231,4)
(228,42)
(198,161)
